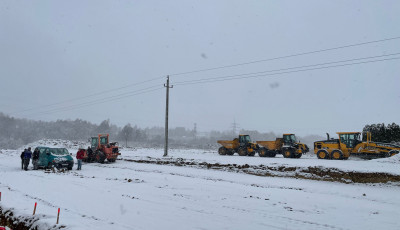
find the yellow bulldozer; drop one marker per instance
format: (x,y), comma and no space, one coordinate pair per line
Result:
(242,145)
(350,144)
(287,146)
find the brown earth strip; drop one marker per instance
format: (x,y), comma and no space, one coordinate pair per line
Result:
(8,219)
(310,173)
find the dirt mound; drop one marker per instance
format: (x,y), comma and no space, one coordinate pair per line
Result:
(311,173)
(8,219)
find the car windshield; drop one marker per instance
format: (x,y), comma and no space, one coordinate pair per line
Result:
(59,151)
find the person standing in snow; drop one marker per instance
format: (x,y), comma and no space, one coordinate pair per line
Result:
(27,158)
(79,156)
(35,159)
(22,159)
(89,154)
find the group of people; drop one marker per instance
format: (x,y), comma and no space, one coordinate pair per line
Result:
(26,156)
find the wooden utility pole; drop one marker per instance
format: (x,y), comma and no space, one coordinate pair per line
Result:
(166,118)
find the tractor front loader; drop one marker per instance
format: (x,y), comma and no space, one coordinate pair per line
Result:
(102,149)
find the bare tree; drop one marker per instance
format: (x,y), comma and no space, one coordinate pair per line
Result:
(126,133)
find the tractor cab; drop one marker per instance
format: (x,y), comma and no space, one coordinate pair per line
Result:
(244,139)
(96,142)
(349,139)
(289,139)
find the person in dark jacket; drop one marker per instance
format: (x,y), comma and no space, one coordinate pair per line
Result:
(35,158)
(27,158)
(89,154)
(22,159)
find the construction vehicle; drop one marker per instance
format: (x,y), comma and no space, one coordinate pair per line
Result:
(350,144)
(287,146)
(102,149)
(242,145)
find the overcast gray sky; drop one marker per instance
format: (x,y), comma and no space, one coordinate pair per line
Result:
(59,59)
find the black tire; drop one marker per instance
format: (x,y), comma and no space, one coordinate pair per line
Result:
(222,151)
(69,168)
(322,154)
(336,155)
(271,153)
(100,157)
(111,160)
(242,151)
(251,154)
(263,152)
(288,153)
(298,155)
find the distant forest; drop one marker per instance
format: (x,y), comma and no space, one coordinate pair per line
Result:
(381,133)
(15,133)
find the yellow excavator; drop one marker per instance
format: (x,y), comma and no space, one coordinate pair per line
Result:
(350,144)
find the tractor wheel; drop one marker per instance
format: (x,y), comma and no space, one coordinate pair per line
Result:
(271,153)
(287,153)
(322,154)
(242,151)
(229,152)
(100,157)
(222,151)
(298,155)
(111,160)
(251,154)
(337,155)
(345,158)
(263,152)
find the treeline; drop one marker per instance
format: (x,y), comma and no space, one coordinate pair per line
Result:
(15,132)
(381,133)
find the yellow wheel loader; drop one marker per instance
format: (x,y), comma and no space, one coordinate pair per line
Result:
(350,144)
(242,145)
(287,146)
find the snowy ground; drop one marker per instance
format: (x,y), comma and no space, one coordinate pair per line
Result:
(130,195)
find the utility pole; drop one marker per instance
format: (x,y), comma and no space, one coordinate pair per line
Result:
(166,118)
(195,130)
(234,126)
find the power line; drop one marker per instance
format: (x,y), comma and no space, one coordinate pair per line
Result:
(235,77)
(286,56)
(99,101)
(297,67)
(90,95)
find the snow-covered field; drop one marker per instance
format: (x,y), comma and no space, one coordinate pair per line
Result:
(131,195)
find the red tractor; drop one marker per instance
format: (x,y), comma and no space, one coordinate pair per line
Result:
(101,149)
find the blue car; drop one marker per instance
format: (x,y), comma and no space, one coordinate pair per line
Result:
(55,157)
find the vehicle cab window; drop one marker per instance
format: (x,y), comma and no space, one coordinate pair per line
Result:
(350,139)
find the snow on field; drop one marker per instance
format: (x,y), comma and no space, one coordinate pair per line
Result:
(129,195)
(309,159)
